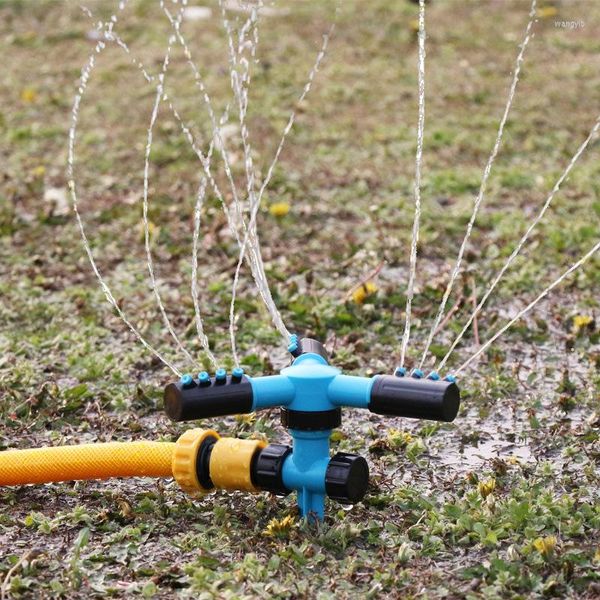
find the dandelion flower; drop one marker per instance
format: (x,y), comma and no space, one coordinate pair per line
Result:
(362,292)
(486,487)
(546,545)
(279,528)
(279,209)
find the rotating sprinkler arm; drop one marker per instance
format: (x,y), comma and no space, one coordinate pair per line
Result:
(310,384)
(310,394)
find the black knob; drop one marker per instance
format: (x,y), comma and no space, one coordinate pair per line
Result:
(415,398)
(347,478)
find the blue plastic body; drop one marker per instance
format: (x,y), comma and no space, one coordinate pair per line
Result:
(310,385)
(310,393)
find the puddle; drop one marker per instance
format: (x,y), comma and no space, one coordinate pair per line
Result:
(472,457)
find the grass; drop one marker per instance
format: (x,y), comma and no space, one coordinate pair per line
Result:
(501,504)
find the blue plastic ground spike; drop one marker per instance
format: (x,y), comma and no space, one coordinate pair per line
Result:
(311,393)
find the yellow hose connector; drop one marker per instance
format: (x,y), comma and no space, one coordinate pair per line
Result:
(231,463)
(184,459)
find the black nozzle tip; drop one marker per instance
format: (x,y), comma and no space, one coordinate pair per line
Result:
(214,397)
(450,402)
(415,398)
(173,402)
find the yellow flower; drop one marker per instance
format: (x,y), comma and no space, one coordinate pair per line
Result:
(581,322)
(279,209)
(279,527)
(338,436)
(247,419)
(414,25)
(486,487)
(38,171)
(28,95)
(546,12)
(545,546)
(361,293)
(399,439)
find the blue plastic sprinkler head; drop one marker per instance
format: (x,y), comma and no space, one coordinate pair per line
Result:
(310,394)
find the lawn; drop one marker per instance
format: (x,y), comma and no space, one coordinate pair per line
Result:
(502,503)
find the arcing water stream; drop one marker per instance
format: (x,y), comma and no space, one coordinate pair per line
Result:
(242,213)
(484,180)
(417,186)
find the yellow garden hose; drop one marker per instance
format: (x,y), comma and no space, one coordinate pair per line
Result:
(226,463)
(87,461)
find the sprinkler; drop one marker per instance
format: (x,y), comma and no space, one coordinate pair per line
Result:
(310,394)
